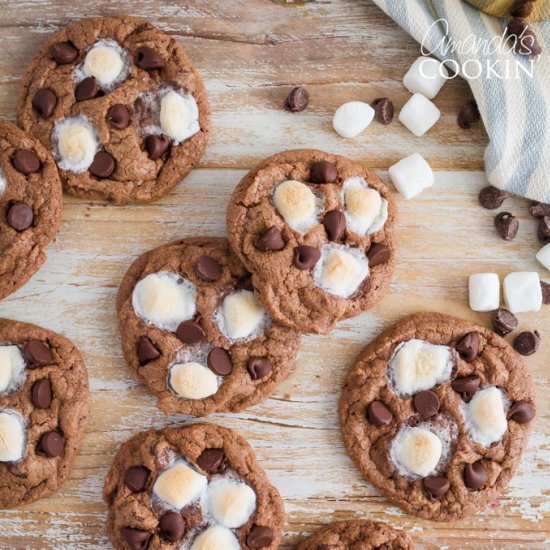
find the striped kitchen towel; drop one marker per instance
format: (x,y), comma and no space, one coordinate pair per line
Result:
(514,105)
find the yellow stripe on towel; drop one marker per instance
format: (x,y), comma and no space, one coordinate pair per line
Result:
(501,8)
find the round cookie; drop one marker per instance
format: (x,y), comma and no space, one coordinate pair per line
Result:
(43,411)
(318,233)
(358,535)
(196,487)
(30,206)
(120,106)
(436,414)
(194,332)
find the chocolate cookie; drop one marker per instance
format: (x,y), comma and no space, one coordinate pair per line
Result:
(436,414)
(318,233)
(43,411)
(30,206)
(358,535)
(120,106)
(194,332)
(198,487)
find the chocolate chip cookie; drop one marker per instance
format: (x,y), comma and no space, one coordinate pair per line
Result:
(119,105)
(30,206)
(436,414)
(197,487)
(318,233)
(43,411)
(194,332)
(358,535)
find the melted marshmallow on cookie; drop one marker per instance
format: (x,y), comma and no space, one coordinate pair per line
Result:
(366,211)
(192,380)
(75,142)
(12,368)
(297,204)
(12,436)
(179,485)
(230,502)
(106,61)
(216,537)
(241,316)
(2,182)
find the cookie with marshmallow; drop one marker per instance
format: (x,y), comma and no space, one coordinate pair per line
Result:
(318,233)
(194,330)
(436,413)
(196,487)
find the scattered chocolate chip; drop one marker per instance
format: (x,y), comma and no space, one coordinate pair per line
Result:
(466,386)
(522,8)
(136,539)
(258,367)
(521,412)
(219,362)
(270,240)
(335,224)
(51,444)
(378,254)
(208,269)
(468,347)
(136,478)
(383,109)
(41,393)
(426,403)
(148,59)
(468,114)
(246,283)
(259,537)
(172,526)
(504,322)
(146,351)
(527,342)
(44,102)
(118,116)
(507,225)
(475,475)
(86,89)
(103,165)
(378,414)
(190,332)
(436,486)
(545,287)
(26,162)
(323,172)
(543,230)
(297,100)
(305,257)
(156,146)
(525,39)
(539,210)
(63,52)
(37,354)
(20,216)
(212,461)
(492,198)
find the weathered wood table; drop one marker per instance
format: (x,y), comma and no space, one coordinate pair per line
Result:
(250,53)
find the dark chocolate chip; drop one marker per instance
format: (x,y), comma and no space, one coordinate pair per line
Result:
(543,230)
(156,146)
(20,216)
(492,198)
(190,332)
(136,478)
(136,539)
(270,240)
(335,225)
(468,347)
(522,8)
(219,362)
(212,461)
(172,526)
(259,537)
(521,412)
(208,269)
(545,287)
(475,475)
(323,172)
(41,393)
(44,102)
(37,354)
(507,225)
(146,351)
(305,257)
(426,403)
(258,367)
(103,165)
(527,342)
(26,162)
(468,114)
(118,116)
(246,283)
(148,59)
(383,109)
(297,100)
(504,322)
(539,210)
(63,52)
(86,89)
(378,254)
(51,444)
(378,414)
(466,386)
(436,486)
(525,39)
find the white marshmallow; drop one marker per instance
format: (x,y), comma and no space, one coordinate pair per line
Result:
(241,315)
(216,538)
(522,291)
(340,270)
(179,116)
(350,119)
(231,502)
(76,141)
(419,365)
(484,290)
(419,114)
(192,380)
(426,76)
(411,175)
(12,436)
(543,256)
(12,368)
(164,299)
(107,62)
(179,485)
(485,416)
(417,451)
(366,211)
(297,204)
(2,182)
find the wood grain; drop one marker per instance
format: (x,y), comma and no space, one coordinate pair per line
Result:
(250,53)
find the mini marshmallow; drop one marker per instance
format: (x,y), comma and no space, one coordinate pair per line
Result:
(12,436)
(417,451)
(231,502)
(350,119)
(240,315)
(419,114)
(366,211)
(543,256)
(411,175)
(426,76)
(484,289)
(179,116)
(192,380)
(76,141)
(522,291)
(179,485)
(297,204)
(164,299)
(216,538)
(340,270)
(419,365)
(12,368)
(485,416)
(107,62)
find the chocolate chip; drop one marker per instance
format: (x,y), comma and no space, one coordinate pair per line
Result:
(259,537)
(525,39)
(468,347)
(426,403)
(146,351)
(543,230)
(172,526)
(190,332)
(323,172)
(258,367)
(208,269)
(41,393)
(436,486)
(20,216)
(246,283)
(51,444)
(26,162)
(468,114)
(148,59)
(37,354)
(103,165)
(270,240)
(504,322)
(378,254)
(522,8)
(136,539)
(378,414)
(545,287)
(156,146)
(44,102)
(521,412)
(212,461)
(466,386)
(507,225)
(118,116)
(297,100)
(475,475)
(305,257)
(219,362)
(335,225)
(539,210)
(527,342)
(492,198)
(63,52)
(86,89)
(136,478)
(383,109)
